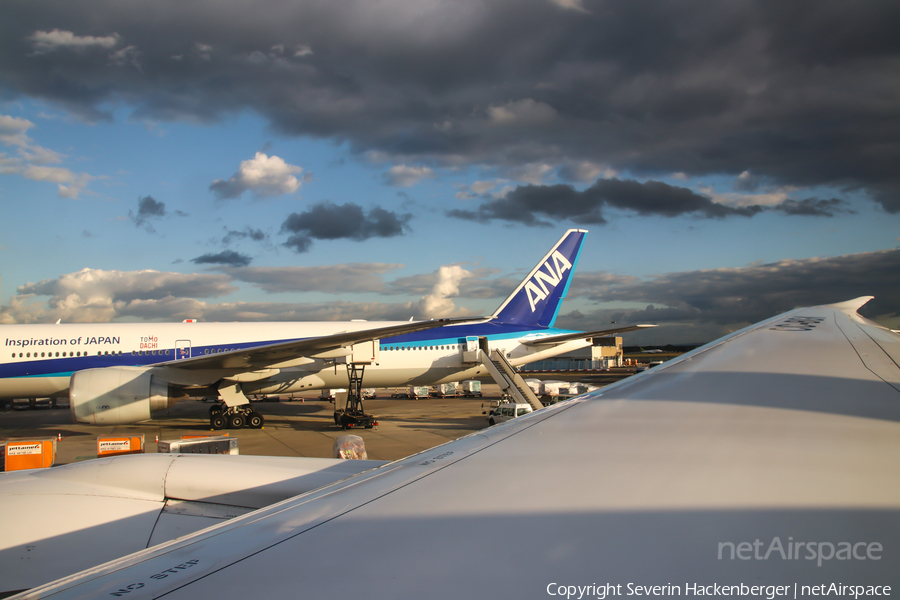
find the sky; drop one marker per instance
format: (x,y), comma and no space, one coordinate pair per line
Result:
(309,160)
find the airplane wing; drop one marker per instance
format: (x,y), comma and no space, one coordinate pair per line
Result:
(270,354)
(554,340)
(766,464)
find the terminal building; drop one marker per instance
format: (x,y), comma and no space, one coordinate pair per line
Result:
(604,353)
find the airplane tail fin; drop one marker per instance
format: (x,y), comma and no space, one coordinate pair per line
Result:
(537,299)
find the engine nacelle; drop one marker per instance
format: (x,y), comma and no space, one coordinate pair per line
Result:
(115,395)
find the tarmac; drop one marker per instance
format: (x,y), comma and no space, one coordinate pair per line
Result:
(296,428)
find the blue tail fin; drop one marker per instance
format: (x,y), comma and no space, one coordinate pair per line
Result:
(537,299)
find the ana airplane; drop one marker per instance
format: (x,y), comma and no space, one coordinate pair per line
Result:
(120,373)
(765,464)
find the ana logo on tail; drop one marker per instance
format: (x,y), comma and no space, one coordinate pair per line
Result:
(535,288)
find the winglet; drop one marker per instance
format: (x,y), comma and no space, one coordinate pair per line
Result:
(536,301)
(853,305)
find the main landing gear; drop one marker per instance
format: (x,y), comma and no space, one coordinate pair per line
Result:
(221,416)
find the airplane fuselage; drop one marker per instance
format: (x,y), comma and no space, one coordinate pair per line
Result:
(38,360)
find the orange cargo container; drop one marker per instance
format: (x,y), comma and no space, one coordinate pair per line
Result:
(29,454)
(114,446)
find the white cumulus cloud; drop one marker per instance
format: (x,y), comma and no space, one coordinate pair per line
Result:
(438,303)
(98,296)
(32,160)
(48,41)
(262,175)
(406,176)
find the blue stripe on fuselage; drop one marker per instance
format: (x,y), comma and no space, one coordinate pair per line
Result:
(492,331)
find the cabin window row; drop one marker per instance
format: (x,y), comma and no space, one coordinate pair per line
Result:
(62,354)
(457,347)
(86,353)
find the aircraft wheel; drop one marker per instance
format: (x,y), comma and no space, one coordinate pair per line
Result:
(236,421)
(217,422)
(215,410)
(255,421)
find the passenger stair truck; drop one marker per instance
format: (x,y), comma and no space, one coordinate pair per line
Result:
(509,380)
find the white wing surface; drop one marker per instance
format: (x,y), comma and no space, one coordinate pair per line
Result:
(768,458)
(264,356)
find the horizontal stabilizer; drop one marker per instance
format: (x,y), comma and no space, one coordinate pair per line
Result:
(553,340)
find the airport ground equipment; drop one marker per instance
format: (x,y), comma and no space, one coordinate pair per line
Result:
(418,391)
(509,380)
(471,388)
(218,444)
(508,410)
(116,445)
(348,407)
(443,390)
(34,453)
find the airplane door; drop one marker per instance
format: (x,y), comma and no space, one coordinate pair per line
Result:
(470,351)
(182,349)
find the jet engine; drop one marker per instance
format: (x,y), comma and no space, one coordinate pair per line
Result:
(116,395)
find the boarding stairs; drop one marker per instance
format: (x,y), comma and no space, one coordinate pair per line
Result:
(509,380)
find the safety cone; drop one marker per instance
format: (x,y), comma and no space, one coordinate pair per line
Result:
(157,438)
(58,437)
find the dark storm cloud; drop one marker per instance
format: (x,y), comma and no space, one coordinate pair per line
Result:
(813,207)
(526,204)
(150,208)
(327,221)
(248,233)
(739,296)
(226,257)
(792,95)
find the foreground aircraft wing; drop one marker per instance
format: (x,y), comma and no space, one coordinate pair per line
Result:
(554,340)
(766,464)
(271,354)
